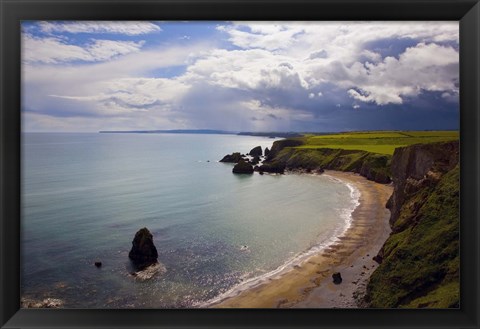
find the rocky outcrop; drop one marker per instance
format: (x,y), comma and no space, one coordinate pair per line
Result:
(266,152)
(255,160)
(416,167)
(419,262)
(256,151)
(232,158)
(242,167)
(143,252)
(373,166)
(273,167)
(282,144)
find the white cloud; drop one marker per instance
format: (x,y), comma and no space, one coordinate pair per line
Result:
(339,40)
(53,50)
(135,93)
(331,52)
(370,55)
(246,70)
(108,89)
(427,67)
(264,36)
(117,27)
(272,81)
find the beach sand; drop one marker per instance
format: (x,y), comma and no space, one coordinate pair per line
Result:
(310,285)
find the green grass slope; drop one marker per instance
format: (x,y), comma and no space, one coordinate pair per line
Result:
(420,265)
(383,142)
(370,165)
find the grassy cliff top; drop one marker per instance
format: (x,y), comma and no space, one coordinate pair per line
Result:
(383,142)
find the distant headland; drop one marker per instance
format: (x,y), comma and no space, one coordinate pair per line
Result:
(271,134)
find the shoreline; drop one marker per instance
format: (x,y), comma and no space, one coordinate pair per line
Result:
(310,285)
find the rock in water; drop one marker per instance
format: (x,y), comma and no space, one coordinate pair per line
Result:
(267,151)
(242,167)
(337,278)
(143,252)
(232,158)
(255,160)
(256,151)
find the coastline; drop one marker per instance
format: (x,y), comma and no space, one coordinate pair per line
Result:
(309,285)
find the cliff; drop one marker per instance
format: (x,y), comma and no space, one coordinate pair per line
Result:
(420,260)
(284,156)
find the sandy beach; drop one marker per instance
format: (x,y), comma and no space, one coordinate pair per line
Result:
(310,284)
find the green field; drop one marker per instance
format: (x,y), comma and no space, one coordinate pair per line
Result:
(383,142)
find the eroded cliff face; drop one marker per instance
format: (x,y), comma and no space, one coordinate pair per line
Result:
(284,156)
(416,167)
(419,262)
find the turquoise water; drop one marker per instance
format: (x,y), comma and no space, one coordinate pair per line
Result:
(85,195)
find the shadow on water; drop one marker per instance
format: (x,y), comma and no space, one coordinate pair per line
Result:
(243,177)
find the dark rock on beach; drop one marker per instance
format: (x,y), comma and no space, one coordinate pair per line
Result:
(242,167)
(143,252)
(337,278)
(98,264)
(379,257)
(232,158)
(256,151)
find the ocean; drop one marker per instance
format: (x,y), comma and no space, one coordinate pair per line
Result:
(85,195)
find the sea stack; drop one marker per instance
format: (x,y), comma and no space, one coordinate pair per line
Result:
(143,252)
(256,151)
(242,167)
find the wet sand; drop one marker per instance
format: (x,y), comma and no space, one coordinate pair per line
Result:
(310,285)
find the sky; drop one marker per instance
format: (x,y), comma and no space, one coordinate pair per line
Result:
(87,76)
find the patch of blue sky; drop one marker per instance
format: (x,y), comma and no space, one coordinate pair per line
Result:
(453,44)
(81,38)
(391,47)
(168,72)
(183,33)
(172,32)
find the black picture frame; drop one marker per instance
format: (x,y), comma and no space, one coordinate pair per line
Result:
(467,12)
